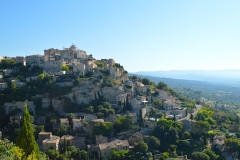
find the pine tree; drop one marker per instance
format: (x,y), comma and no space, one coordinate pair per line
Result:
(26,139)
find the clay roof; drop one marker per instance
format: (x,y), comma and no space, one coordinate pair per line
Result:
(113,144)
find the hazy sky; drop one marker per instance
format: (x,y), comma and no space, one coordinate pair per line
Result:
(141,35)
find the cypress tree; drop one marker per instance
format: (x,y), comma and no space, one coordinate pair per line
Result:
(26,139)
(124,107)
(140,119)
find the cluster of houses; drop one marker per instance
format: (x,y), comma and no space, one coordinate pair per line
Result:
(102,147)
(131,91)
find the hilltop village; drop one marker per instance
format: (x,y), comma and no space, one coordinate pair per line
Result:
(95,107)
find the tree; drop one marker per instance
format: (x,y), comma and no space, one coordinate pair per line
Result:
(157,104)
(70,117)
(164,156)
(82,154)
(146,81)
(167,131)
(233,144)
(211,154)
(26,139)
(162,85)
(103,128)
(201,126)
(107,105)
(65,68)
(90,109)
(200,156)
(52,154)
(119,155)
(191,116)
(123,123)
(141,147)
(153,142)
(152,113)
(40,77)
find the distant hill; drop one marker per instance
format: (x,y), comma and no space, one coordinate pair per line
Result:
(222,92)
(215,76)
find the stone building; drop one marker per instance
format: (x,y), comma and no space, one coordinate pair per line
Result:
(162,94)
(137,103)
(54,65)
(170,105)
(136,137)
(3,85)
(48,141)
(18,82)
(79,67)
(121,97)
(105,149)
(64,123)
(35,59)
(78,142)
(77,123)
(100,139)
(66,53)
(150,124)
(10,106)
(52,143)
(218,142)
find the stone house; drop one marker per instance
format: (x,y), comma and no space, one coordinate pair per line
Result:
(90,66)
(105,149)
(35,59)
(218,142)
(28,79)
(18,83)
(136,137)
(78,142)
(121,97)
(7,72)
(100,139)
(170,105)
(48,141)
(64,123)
(142,89)
(137,103)
(79,67)
(133,116)
(88,117)
(149,124)
(52,143)
(10,106)
(3,85)
(54,65)
(44,135)
(162,94)
(77,123)
(111,118)
(178,112)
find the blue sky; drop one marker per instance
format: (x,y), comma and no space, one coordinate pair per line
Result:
(141,35)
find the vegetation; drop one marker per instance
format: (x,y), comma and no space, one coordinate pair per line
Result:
(123,123)
(26,139)
(103,128)
(65,68)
